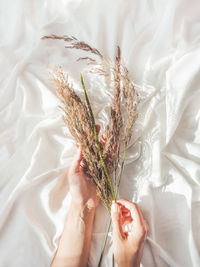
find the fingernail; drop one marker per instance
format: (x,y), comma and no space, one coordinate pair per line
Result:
(115,207)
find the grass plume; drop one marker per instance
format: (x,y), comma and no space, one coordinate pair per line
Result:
(102,157)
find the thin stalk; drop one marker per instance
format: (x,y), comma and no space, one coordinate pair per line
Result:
(123,158)
(113,261)
(122,168)
(118,184)
(96,138)
(104,243)
(104,166)
(103,192)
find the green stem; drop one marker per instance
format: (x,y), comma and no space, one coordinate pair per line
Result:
(102,191)
(118,184)
(122,167)
(104,244)
(104,166)
(113,261)
(96,138)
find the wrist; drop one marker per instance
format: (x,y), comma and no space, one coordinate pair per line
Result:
(87,206)
(82,209)
(129,263)
(81,218)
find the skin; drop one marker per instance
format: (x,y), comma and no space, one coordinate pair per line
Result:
(74,244)
(128,245)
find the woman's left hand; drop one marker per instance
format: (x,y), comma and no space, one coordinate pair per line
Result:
(82,189)
(74,244)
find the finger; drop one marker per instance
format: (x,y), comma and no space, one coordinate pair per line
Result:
(144,240)
(146,228)
(125,214)
(123,208)
(102,142)
(83,164)
(116,220)
(126,219)
(135,212)
(77,160)
(141,251)
(103,139)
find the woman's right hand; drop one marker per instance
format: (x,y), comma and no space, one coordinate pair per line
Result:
(128,245)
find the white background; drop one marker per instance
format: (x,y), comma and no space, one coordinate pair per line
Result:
(160,43)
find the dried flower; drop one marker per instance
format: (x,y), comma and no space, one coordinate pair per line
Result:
(101,160)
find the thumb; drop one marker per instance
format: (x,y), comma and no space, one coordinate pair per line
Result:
(116,220)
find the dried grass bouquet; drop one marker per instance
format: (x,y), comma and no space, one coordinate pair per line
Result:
(104,160)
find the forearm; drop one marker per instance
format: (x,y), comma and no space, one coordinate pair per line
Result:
(74,244)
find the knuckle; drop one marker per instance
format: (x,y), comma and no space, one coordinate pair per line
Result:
(142,231)
(115,218)
(135,205)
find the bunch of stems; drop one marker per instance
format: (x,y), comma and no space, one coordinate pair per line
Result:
(102,160)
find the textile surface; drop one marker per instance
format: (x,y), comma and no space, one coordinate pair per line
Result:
(160,44)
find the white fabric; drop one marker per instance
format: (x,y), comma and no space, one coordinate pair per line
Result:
(160,42)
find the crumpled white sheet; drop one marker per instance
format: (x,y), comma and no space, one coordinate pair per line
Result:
(160,42)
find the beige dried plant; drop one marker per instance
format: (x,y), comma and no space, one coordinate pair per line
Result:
(102,160)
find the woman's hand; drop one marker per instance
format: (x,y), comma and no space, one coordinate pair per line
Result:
(74,244)
(128,245)
(82,189)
